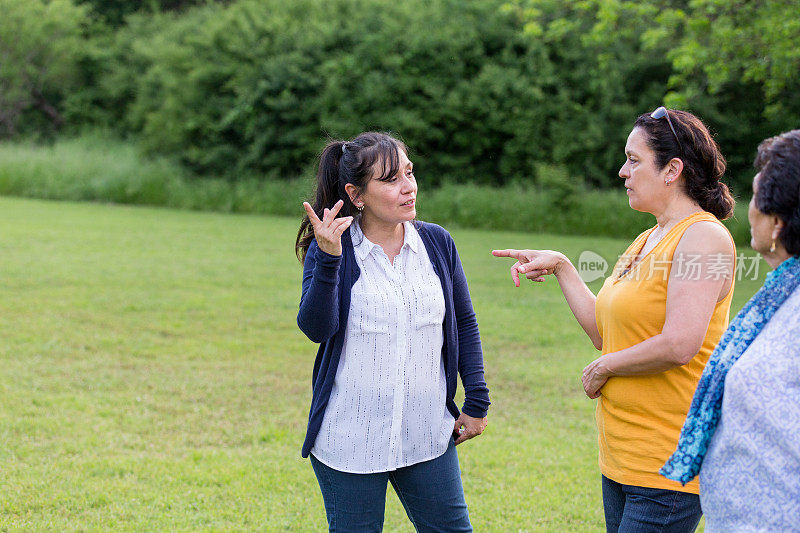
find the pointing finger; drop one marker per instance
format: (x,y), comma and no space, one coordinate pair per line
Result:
(509,252)
(312,216)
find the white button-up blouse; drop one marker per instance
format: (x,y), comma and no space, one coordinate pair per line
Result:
(387,405)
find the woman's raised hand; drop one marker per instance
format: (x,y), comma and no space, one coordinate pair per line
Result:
(534,264)
(328,231)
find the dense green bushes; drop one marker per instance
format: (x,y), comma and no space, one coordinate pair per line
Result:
(40,51)
(483,92)
(253,89)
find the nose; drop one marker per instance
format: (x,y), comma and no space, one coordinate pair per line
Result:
(623,171)
(409,184)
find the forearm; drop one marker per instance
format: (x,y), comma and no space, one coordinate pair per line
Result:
(580,299)
(470,364)
(651,356)
(318,316)
(470,354)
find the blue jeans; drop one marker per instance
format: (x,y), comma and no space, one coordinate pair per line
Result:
(430,491)
(632,509)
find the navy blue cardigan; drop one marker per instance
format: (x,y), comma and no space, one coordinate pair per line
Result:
(325,306)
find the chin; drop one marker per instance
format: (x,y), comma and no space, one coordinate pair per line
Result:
(634,205)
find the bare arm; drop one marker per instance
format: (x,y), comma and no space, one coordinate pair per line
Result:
(692,295)
(535,264)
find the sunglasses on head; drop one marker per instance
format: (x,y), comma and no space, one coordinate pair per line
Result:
(661,112)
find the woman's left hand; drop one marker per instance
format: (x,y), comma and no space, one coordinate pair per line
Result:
(594,376)
(467,427)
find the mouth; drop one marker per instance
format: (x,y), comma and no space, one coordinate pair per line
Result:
(409,203)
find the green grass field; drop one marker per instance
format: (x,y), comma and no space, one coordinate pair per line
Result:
(153,378)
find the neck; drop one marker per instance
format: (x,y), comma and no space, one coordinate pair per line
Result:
(774,259)
(388,236)
(675,211)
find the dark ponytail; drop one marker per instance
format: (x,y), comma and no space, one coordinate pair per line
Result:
(703,163)
(343,162)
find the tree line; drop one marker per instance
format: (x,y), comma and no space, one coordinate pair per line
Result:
(484,92)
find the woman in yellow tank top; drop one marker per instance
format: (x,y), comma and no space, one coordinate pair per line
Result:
(656,319)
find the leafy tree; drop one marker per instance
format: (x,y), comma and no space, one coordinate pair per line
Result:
(739,63)
(254,88)
(114,12)
(734,64)
(495,91)
(41,43)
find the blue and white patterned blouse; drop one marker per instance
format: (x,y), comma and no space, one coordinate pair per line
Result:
(750,479)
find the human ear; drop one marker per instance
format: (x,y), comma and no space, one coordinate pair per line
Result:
(674,168)
(777,226)
(352,191)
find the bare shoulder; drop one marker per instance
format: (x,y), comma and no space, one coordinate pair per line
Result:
(706,237)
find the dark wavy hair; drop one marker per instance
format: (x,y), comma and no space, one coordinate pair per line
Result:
(778,191)
(343,162)
(703,162)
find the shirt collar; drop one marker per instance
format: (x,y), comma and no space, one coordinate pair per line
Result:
(363,246)
(411,237)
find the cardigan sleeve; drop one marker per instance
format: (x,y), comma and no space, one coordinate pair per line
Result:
(318,317)
(470,354)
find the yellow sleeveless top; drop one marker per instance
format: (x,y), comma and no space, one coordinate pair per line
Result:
(639,418)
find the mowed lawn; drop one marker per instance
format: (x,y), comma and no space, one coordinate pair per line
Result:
(153,378)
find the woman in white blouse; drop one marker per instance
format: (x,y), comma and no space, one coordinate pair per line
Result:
(387,299)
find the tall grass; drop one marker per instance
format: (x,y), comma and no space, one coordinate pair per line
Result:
(102,169)
(99,168)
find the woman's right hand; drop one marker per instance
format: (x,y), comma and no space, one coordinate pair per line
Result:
(328,231)
(534,264)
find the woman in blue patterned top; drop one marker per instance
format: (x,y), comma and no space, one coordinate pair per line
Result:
(742,433)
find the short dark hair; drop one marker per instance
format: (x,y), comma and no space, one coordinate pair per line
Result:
(778,191)
(703,162)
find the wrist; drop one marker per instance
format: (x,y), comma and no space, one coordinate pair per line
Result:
(562,264)
(605,366)
(330,250)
